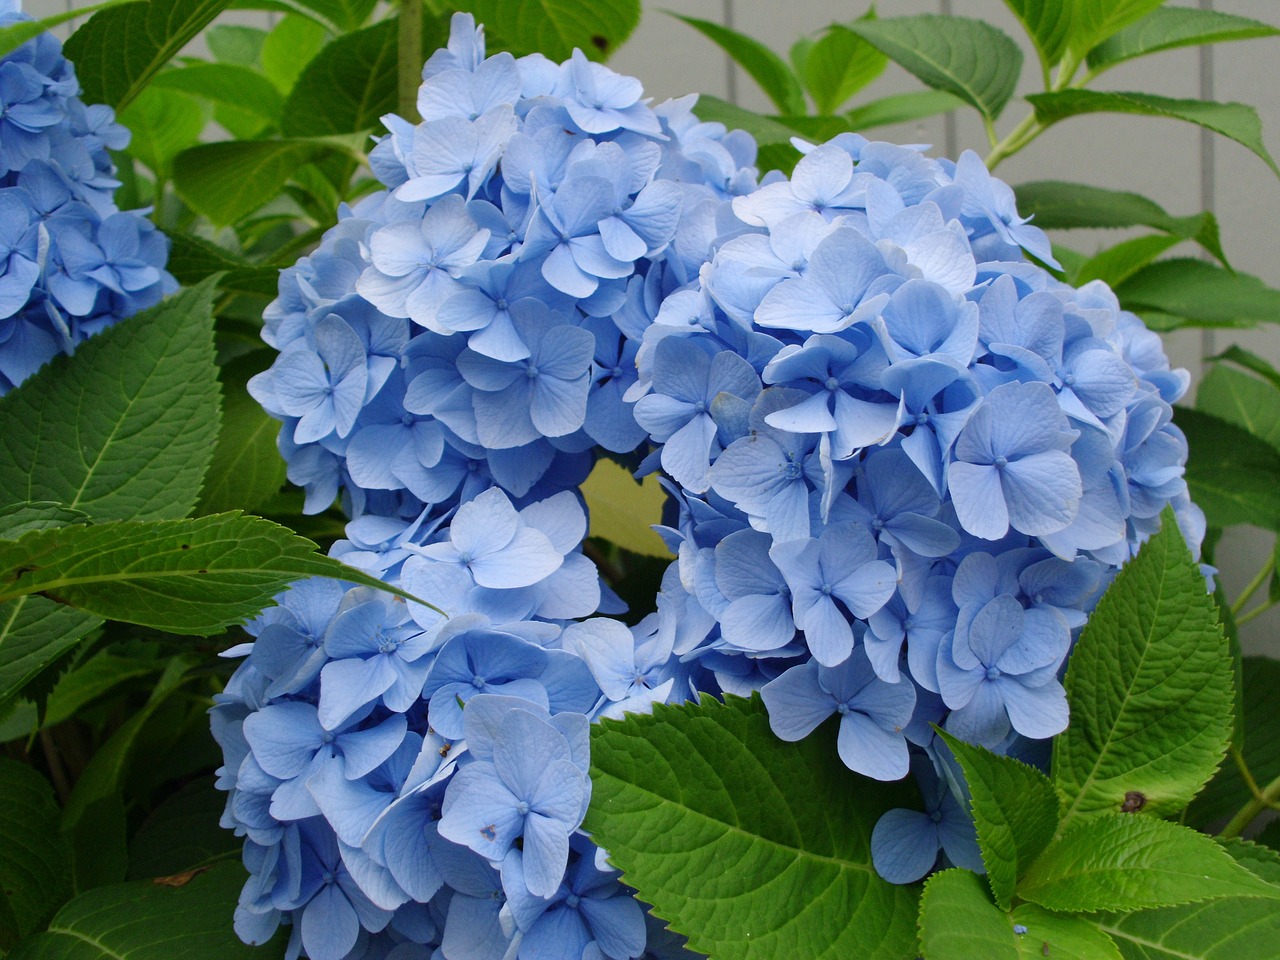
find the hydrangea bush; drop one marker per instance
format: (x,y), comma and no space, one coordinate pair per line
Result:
(904,463)
(73,262)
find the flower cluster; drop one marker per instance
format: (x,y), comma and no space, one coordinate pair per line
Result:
(903,464)
(71,263)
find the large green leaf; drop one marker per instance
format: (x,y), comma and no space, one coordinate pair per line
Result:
(1149,686)
(1227,792)
(247,469)
(184,576)
(837,66)
(226,83)
(555,27)
(623,511)
(185,919)
(1169,27)
(1232,474)
(14,35)
(1246,401)
(1203,293)
(84,683)
(968,58)
(1015,809)
(764,66)
(720,825)
(1048,23)
(227,181)
(125,428)
(1092,21)
(1232,928)
(183,834)
(342,15)
(959,922)
(192,259)
(163,123)
(34,875)
(1122,862)
(289,47)
(1116,264)
(901,108)
(1236,121)
(1251,361)
(120,50)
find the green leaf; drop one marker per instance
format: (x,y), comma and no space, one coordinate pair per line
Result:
(901,108)
(1116,264)
(1236,121)
(163,124)
(289,47)
(1015,809)
(968,58)
(247,469)
(125,428)
(839,65)
(184,576)
(1064,938)
(192,259)
(226,83)
(1118,861)
(1149,687)
(1231,473)
(228,181)
(343,15)
(187,918)
(1169,27)
(1048,24)
(679,794)
(763,65)
(1231,928)
(16,34)
(101,674)
(1251,361)
(120,50)
(957,919)
(349,85)
(34,632)
(623,511)
(20,518)
(1245,401)
(1202,293)
(183,834)
(232,43)
(34,877)
(1063,206)
(555,27)
(1093,21)
(1227,792)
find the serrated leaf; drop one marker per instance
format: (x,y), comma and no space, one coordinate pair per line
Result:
(764,66)
(555,27)
(247,469)
(1236,121)
(35,631)
(184,576)
(183,834)
(1245,401)
(1232,474)
(1116,264)
(14,35)
(34,877)
(901,108)
(765,130)
(19,518)
(957,919)
(233,43)
(1015,810)
(163,124)
(343,15)
(1149,687)
(192,259)
(1167,28)
(623,511)
(1092,21)
(238,86)
(1048,23)
(1122,862)
(96,677)
(1059,937)
(837,66)
(289,47)
(125,428)
(186,919)
(680,794)
(118,51)
(1227,792)
(968,58)
(230,180)
(1202,293)
(1228,929)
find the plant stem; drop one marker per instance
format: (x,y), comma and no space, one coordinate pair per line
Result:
(56,772)
(1267,798)
(1018,137)
(1256,611)
(410,58)
(1263,575)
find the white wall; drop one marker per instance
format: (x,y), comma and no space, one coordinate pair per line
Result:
(1179,166)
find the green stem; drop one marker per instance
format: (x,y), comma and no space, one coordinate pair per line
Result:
(1267,798)
(1018,137)
(410,55)
(1255,612)
(1263,575)
(1066,72)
